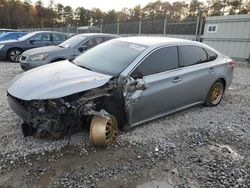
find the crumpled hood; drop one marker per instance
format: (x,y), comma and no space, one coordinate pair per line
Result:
(54,81)
(44,50)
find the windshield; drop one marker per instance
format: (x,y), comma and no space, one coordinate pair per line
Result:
(73,41)
(25,37)
(110,58)
(2,33)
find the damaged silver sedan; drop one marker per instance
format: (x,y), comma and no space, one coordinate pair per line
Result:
(118,84)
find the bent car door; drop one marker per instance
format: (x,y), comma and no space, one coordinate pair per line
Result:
(152,88)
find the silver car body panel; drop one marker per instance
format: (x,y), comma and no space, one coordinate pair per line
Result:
(54,81)
(163,95)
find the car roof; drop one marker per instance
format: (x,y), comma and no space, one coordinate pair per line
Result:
(8,33)
(98,34)
(56,32)
(155,41)
(7,30)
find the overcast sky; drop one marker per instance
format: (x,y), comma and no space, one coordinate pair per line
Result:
(104,5)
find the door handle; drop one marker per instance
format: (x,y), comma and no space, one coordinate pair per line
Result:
(177,79)
(211,70)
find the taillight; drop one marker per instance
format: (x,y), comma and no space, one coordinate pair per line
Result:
(232,63)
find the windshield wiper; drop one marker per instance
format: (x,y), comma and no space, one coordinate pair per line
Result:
(83,66)
(61,46)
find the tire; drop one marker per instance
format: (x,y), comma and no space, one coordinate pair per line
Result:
(14,54)
(215,94)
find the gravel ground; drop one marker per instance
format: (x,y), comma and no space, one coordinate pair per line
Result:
(196,147)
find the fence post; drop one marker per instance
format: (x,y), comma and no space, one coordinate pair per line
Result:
(165,24)
(200,29)
(101,26)
(140,26)
(118,26)
(68,29)
(197,25)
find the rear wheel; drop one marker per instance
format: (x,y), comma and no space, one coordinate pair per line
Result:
(215,93)
(103,130)
(14,54)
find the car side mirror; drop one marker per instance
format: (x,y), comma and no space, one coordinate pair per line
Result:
(137,75)
(82,48)
(32,41)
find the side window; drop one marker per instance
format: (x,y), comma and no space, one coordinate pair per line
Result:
(161,60)
(93,42)
(107,38)
(99,40)
(191,55)
(11,36)
(58,37)
(211,55)
(41,37)
(90,43)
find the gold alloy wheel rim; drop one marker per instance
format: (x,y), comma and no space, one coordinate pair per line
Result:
(103,131)
(216,93)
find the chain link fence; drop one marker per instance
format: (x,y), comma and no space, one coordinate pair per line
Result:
(154,27)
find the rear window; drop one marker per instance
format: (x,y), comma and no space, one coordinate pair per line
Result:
(211,55)
(192,55)
(58,37)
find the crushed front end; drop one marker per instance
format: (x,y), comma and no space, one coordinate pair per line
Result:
(55,118)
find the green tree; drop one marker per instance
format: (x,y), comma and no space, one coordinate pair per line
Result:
(83,16)
(123,15)
(180,10)
(68,15)
(96,15)
(235,6)
(194,7)
(135,13)
(110,17)
(154,10)
(216,7)
(59,12)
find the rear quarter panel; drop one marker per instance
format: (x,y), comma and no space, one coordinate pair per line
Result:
(223,70)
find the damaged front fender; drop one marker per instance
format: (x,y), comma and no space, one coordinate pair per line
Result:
(58,116)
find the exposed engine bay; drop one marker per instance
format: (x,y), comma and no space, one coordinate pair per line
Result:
(55,118)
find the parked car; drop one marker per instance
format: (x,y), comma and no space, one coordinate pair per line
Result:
(13,49)
(8,30)
(69,49)
(11,35)
(125,81)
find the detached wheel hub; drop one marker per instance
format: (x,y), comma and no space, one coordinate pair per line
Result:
(103,131)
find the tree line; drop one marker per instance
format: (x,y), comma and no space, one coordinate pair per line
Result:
(17,13)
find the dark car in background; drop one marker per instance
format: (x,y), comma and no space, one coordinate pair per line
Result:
(69,49)
(13,49)
(11,35)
